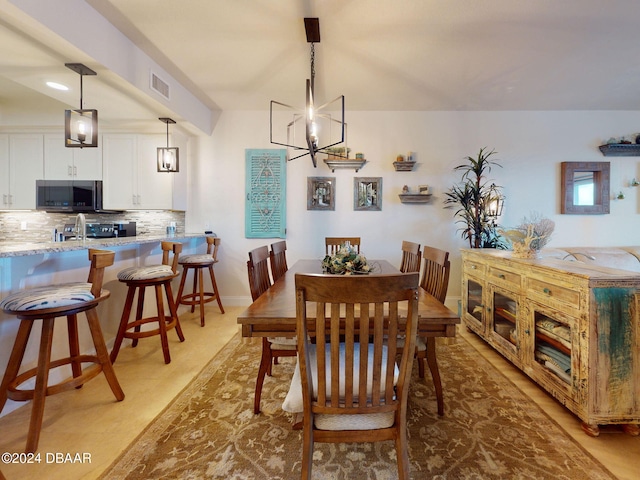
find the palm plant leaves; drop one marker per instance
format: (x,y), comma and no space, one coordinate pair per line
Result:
(471,199)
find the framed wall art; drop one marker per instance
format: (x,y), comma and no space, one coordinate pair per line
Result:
(321,193)
(367,193)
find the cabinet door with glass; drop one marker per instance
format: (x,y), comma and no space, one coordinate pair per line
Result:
(473,304)
(502,315)
(553,346)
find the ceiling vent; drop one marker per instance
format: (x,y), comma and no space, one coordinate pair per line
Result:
(159,86)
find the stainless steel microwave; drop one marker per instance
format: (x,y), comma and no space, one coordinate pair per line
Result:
(69,195)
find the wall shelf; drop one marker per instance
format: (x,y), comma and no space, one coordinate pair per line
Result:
(355,163)
(620,150)
(404,166)
(414,197)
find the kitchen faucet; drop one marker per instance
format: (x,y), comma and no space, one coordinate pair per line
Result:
(80,228)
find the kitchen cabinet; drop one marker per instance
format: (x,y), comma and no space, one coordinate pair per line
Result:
(62,163)
(130,176)
(20,166)
(572,328)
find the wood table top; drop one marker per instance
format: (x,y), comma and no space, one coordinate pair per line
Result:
(274,312)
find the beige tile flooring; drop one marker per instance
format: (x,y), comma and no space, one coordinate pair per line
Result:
(90,421)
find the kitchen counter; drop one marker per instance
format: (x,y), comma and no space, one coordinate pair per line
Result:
(25,265)
(15,249)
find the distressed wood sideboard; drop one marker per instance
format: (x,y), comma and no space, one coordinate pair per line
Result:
(573,329)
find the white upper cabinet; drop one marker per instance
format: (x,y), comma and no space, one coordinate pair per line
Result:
(131,179)
(5,184)
(62,163)
(154,188)
(20,166)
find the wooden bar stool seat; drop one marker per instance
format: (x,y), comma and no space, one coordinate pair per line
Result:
(137,280)
(198,263)
(46,304)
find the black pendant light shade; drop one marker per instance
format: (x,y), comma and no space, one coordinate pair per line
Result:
(81,125)
(168,157)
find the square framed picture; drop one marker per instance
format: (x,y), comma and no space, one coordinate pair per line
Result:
(321,193)
(367,193)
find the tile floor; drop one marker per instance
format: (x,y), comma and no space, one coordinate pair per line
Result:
(90,421)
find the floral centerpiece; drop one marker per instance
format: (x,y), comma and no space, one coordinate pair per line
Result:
(528,238)
(346,261)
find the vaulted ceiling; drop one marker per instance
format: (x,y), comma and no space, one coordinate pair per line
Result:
(382,55)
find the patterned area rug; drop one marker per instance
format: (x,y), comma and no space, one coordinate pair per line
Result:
(490,430)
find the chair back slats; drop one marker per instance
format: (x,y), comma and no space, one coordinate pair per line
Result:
(332,244)
(435,277)
(213,243)
(278,259)
(100,259)
(411,257)
(354,317)
(176,248)
(258,270)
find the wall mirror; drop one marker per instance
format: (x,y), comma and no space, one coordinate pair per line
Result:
(367,193)
(585,188)
(321,193)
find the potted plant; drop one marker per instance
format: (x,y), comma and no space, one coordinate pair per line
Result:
(478,203)
(337,153)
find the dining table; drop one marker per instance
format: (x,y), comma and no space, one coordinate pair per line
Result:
(273,314)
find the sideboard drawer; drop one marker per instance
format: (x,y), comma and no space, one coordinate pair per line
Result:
(506,276)
(552,291)
(474,268)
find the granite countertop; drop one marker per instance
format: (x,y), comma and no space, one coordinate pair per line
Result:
(16,249)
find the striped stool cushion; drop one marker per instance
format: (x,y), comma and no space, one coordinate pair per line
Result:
(52,296)
(202,258)
(145,273)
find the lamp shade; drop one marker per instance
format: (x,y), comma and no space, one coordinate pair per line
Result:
(168,159)
(81,128)
(494,202)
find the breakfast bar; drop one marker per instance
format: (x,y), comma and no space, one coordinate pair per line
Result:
(29,265)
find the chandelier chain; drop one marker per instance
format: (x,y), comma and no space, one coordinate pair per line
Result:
(313,64)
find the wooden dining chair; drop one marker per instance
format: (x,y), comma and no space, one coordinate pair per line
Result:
(411,257)
(278,259)
(352,388)
(435,277)
(272,347)
(332,244)
(435,280)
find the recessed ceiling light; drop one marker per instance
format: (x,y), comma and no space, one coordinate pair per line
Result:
(57,86)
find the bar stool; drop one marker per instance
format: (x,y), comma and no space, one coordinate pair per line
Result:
(138,279)
(198,263)
(46,304)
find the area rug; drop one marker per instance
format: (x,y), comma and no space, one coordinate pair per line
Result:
(490,430)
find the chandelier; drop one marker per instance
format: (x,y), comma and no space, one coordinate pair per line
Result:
(315,125)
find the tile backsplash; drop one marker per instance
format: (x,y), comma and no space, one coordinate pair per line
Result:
(36,226)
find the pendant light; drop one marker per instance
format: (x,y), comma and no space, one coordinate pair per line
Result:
(317,122)
(168,157)
(80,126)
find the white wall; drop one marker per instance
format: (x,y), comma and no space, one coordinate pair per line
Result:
(530,146)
